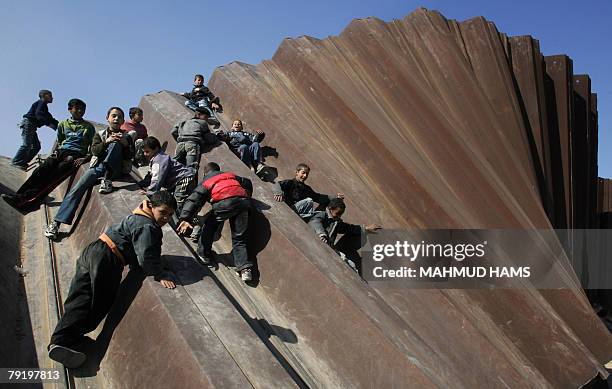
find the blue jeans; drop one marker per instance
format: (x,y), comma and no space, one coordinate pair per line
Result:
(199,104)
(304,208)
(112,162)
(30,144)
(250,154)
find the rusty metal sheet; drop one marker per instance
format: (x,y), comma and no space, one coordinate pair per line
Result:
(419,122)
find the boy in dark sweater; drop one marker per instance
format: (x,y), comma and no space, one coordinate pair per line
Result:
(112,151)
(245,144)
(136,241)
(298,195)
(201,96)
(328,224)
(74,137)
(36,117)
(190,136)
(166,173)
(230,196)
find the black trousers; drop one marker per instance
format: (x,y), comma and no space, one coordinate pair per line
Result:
(92,293)
(236,209)
(48,175)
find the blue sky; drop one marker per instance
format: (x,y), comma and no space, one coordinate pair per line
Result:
(112,53)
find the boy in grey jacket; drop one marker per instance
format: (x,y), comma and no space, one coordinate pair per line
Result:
(191,135)
(328,224)
(136,241)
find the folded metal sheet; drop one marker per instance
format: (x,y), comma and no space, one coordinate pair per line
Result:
(429,123)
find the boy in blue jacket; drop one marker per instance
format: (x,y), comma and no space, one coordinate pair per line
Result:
(74,138)
(36,117)
(245,144)
(136,241)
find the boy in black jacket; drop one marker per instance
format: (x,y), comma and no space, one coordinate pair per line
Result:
(229,195)
(299,196)
(36,117)
(136,242)
(201,96)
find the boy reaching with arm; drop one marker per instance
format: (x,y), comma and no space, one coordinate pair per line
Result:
(36,117)
(230,196)
(136,241)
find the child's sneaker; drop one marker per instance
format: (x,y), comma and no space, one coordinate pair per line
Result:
(106,186)
(66,356)
(52,230)
(260,166)
(246,275)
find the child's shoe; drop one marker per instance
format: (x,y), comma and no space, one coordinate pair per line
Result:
(246,275)
(66,356)
(195,234)
(260,166)
(106,186)
(52,230)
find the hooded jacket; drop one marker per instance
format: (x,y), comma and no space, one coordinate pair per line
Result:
(193,130)
(137,240)
(294,191)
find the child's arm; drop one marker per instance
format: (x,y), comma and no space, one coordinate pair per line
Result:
(175,131)
(98,146)
(147,241)
(43,116)
(159,169)
(194,203)
(279,189)
(60,135)
(246,184)
(316,223)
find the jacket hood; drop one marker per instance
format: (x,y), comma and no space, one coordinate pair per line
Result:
(144,210)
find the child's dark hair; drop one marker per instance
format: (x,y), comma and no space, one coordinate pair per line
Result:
(198,76)
(44,92)
(76,103)
(163,197)
(211,167)
(336,203)
(152,143)
(302,166)
(117,108)
(134,111)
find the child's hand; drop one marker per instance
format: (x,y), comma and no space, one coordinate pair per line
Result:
(142,192)
(184,228)
(372,227)
(340,195)
(79,161)
(215,106)
(167,284)
(324,238)
(278,198)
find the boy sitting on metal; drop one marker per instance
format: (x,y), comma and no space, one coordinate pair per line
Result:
(245,144)
(201,96)
(299,196)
